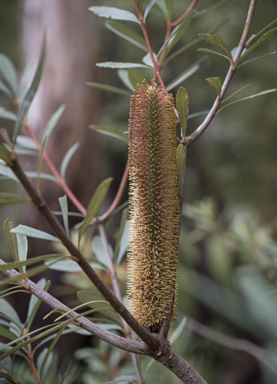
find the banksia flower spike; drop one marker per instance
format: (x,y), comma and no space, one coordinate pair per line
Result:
(154,230)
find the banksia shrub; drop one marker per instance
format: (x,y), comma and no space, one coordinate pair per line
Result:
(154,195)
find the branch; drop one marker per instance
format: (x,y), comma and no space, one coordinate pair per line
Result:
(119,342)
(181,18)
(201,129)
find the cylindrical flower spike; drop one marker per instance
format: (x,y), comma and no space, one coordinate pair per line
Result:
(154,213)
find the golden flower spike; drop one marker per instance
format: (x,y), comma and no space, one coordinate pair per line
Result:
(154,214)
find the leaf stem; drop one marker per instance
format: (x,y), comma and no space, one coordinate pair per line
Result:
(185,14)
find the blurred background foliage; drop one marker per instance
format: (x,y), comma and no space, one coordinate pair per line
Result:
(228,243)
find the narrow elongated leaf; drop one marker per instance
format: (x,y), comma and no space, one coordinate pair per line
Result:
(25,73)
(257,43)
(135,76)
(33,260)
(210,8)
(249,97)
(182,105)
(216,42)
(94,205)
(148,61)
(197,114)
(111,64)
(124,217)
(6,333)
(5,154)
(9,313)
(127,34)
(235,93)
(148,8)
(123,243)
(263,30)
(32,232)
(11,239)
(46,356)
(216,83)
(9,73)
(178,331)
(180,155)
(114,13)
(13,198)
(64,208)
(99,251)
(53,122)
(257,58)
(5,89)
(184,75)
(109,132)
(27,99)
(43,145)
(124,77)
(8,115)
(46,176)
(205,50)
(35,303)
(71,266)
(110,88)
(22,244)
(67,158)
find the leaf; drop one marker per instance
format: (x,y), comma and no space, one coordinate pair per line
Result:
(114,13)
(124,217)
(13,198)
(148,8)
(6,333)
(205,50)
(9,313)
(182,105)
(216,83)
(211,8)
(109,88)
(11,239)
(109,132)
(123,243)
(32,232)
(99,251)
(46,176)
(257,43)
(184,75)
(201,113)
(67,157)
(111,64)
(8,115)
(35,303)
(94,205)
(148,61)
(5,89)
(52,122)
(248,97)
(235,93)
(27,99)
(33,260)
(5,154)
(64,208)
(216,42)
(127,34)
(124,77)
(255,36)
(71,266)
(135,76)
(9,73)
(177,332)
(257,58)
(26,73)
(22,245)
(45,357)
(181,156)
(43,145)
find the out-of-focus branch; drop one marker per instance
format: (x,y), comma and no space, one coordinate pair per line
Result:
(185,14)
(201,129)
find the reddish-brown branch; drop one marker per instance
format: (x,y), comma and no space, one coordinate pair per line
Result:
(32,364)
(181,18)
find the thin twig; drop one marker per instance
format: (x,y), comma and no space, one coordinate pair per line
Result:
(201,129)
(185,14)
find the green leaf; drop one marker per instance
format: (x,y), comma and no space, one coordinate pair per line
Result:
(64,208)
(11,239)
(9,73)
(148,8)
(257,43)
(163,7)
(109,132)
(35,302)
(9,313)
(111,64)
(52,122)
(99,251)
(22,245)
(216,83)
(124,217)
(27,99)
(13,198)
(6,333)
(5,89)
(25,74)
(123,243)
(257,58)
(43,145)
(127,34)
(114,13)
(33,260)
(205,50)
(45,357)
(265,29)
(211,8)
(174,336)
(46,176)
(8,115)
(197,114)
(248,97)
(181,156)
(235,93)
(124,77)
(67,158)
(32,232)
(184,75)
(6,171)
(216,42)
(94,205)
(110,88)
(5,154)
(135,76)
(148,60)
(72,266)
(182,105)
